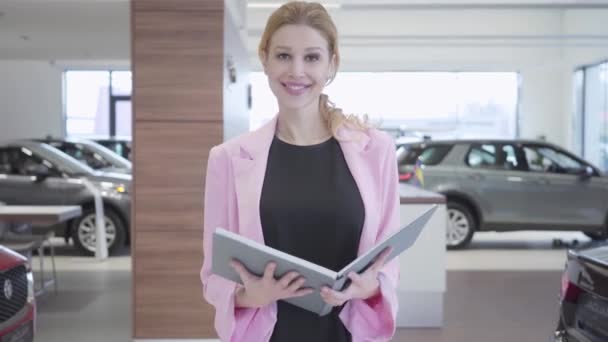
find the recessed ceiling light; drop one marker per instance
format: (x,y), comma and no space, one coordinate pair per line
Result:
(279,4)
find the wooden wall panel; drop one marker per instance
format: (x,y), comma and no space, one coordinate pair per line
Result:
(140,6)
(168,300)
(179,58)
(177,62)
(170,163)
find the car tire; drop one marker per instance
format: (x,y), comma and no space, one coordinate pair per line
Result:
(83,231)
(461,225)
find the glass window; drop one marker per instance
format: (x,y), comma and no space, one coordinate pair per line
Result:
(546,159)
(482,156)
(87,102)
(577,117)
(510,157)
(595,116)
(429,155)
(471,105)
(121,83)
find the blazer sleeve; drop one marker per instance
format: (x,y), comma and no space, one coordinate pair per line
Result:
(374,319)
(231,324)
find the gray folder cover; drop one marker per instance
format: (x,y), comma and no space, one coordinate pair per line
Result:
(255,257)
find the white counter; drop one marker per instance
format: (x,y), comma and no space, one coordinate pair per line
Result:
(422,283)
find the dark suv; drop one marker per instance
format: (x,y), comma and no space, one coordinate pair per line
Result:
(583,314)
(504,185)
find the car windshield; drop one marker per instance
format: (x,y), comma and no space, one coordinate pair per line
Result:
(99,157)
(428,155)
(64,161)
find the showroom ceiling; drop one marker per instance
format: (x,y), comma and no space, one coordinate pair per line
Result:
(99,29)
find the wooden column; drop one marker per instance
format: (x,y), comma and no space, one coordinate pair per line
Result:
(178,70)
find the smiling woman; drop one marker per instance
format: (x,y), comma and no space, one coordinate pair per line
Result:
(314,183)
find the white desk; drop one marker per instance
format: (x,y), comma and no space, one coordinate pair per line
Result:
(39,214)
(422,283)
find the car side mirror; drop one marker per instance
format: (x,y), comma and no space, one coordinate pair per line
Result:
(39,171)
(586,173)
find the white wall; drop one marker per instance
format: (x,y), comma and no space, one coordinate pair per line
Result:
(31,95)
(30,99)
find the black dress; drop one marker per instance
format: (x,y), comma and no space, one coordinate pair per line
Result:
(311,207)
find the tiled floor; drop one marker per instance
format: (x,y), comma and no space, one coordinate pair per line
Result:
(504,288)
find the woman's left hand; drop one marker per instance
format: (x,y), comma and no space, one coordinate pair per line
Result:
(362,286)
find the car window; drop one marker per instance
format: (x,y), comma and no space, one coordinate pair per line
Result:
(84,155)
(428,155)
(546,159)
(7,161)
(482,156)
(510,157)
(17,161)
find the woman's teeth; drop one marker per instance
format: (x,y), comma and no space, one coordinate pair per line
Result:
(295,89)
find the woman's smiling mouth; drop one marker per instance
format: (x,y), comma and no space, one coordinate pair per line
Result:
(295,89)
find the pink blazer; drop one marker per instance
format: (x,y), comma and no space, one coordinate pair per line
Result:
(235,174)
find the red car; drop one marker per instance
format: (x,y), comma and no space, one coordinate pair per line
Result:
(17,302)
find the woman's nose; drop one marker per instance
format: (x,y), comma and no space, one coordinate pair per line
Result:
(296,68)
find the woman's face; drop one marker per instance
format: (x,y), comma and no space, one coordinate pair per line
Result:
(298,66)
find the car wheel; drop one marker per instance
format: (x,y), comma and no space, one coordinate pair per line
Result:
(83,231)
(461,226)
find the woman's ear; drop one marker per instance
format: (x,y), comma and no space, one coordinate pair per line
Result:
(332,66)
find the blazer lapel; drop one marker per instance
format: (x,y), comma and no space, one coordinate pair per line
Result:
(249,170)
(354,147)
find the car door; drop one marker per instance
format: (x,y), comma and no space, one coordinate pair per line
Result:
(499,192)
(562,198)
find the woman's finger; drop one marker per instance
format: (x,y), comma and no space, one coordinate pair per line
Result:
(338,296)
(288,279)
(303,292)
(355,278)
(329,299)
(269,271)
(296,285)
(243,273)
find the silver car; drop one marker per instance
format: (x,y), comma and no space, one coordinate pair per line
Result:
(506,185)
(35,173)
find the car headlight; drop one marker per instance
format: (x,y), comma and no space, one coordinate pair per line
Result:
(121,189)
(30,287)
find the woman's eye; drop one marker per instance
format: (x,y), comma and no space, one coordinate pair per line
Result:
(283,56)
(312,58)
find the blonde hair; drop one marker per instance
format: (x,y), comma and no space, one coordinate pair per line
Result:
(314,15)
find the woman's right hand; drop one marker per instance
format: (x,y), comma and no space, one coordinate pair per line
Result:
(261,291)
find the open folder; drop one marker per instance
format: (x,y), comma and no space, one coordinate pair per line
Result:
(255,257)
